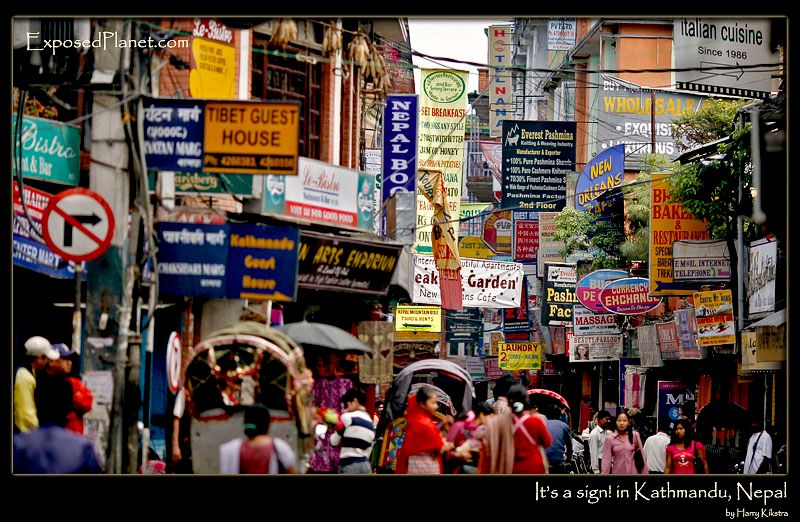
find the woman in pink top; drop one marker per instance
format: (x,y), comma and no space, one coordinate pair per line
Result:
(619,448)
(681,451)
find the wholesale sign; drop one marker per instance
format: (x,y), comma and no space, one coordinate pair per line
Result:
(714,313)
(628,296)
(323,193)
(192,259)
(262,262)
(418,318)
(50,150)
(485,284)
(590,286)
(399,144)
(251,138)
(590,348)
(537,156)
(761,277)
(333,263)
(559,294)
(519,356)
(442,112)
(500,87)
(669,222)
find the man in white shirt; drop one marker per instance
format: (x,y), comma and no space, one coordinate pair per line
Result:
(597,438)
(655,448)
(759,451)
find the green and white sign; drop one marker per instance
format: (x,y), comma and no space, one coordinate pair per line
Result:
(50,150)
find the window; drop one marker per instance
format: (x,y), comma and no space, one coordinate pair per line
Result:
(278,78)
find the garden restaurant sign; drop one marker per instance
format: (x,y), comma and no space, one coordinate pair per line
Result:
(628,296)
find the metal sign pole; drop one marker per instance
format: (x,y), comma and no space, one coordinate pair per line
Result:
(76,314)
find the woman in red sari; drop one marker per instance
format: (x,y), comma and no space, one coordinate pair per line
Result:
(423,444)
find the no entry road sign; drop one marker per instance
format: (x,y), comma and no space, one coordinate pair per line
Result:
(78,225)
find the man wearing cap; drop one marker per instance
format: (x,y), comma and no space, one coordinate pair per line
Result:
(38,354)
(82,398)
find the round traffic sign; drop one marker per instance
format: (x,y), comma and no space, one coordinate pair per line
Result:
(174,362)
(78,225)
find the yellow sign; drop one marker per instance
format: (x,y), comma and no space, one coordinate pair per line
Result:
(714,312)
(519,356)
(418,318)
(442,121)
(669,222)
(771,343)
(417,336)
(474,247)
(251,137)
(214,73)
(750,362)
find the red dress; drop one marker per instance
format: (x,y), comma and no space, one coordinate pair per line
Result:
(422,436)
(82,400)
(683,459)
(530,434)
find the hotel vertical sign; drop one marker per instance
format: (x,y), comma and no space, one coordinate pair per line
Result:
(499,79)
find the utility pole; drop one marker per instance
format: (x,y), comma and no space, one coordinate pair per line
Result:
(652,121)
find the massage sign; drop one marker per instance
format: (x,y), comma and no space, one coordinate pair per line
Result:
(628,296)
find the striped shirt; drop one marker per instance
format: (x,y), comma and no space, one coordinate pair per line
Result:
(355,433)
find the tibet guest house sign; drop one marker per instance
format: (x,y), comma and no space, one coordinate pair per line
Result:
(234,137)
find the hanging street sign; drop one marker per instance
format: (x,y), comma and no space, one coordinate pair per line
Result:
(174,362)
(78,225)
(418,318)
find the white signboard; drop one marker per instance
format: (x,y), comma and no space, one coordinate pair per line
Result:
(102,385)
(588,348)
(586,322)
(484,283)
(561,33)
(701,44)
(500,95)
(701,260)
(761,276)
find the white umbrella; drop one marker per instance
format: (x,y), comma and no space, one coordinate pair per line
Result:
(324,335)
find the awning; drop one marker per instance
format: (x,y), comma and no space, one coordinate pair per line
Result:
(776,319)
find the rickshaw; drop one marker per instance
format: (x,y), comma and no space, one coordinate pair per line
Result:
(454,386)
(238,365)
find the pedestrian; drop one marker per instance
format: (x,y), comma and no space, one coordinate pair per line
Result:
(181,450)
(559,452)
(355,432)
(620,450)
(638,423)
(685,456)
(38,354)
(597,439)
(257,453)
(458,433)
(759,451)
(82,398)
(378,412)
(470,450)
(423,444)
(51,448)
(655,447)
(515,440)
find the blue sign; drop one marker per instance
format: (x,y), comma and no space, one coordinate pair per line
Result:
(38,257)
(174,134)
(262,262)
(603,172)
(399,144)
(671,395)
(192,259)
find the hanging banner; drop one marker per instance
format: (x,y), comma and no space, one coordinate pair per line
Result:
(525,246)
(445,250)
(668,341)
(761,277)
(399,144)
(50,150)
(464,325)
(323,193)
(442,111)
(591,348)
(628,296)
(418,318)
(701,260)
(500,81)
(519,356)
(590,286)
(714,312)
(647,344)
(671,394)
(602,173)
(586,322)
(334,263)
(559,294)
(669,222)
(687,334)
(537,156)
(549,249)
(262,262)
(488,284)
(497,232)
(193,259)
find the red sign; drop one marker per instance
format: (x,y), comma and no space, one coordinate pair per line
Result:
(628,296)
(78,225)
(212,30)
(497,231)
(174,362)
(36,202)
(526,240)
(493,371)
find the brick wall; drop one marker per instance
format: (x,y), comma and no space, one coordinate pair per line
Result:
(328,117)
(483,79)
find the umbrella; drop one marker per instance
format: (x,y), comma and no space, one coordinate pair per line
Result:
(549,393)
(324,335)
(402,382)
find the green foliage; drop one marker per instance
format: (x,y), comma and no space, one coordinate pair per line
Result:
(714,120)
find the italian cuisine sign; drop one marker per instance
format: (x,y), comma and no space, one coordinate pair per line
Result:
(628,296)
